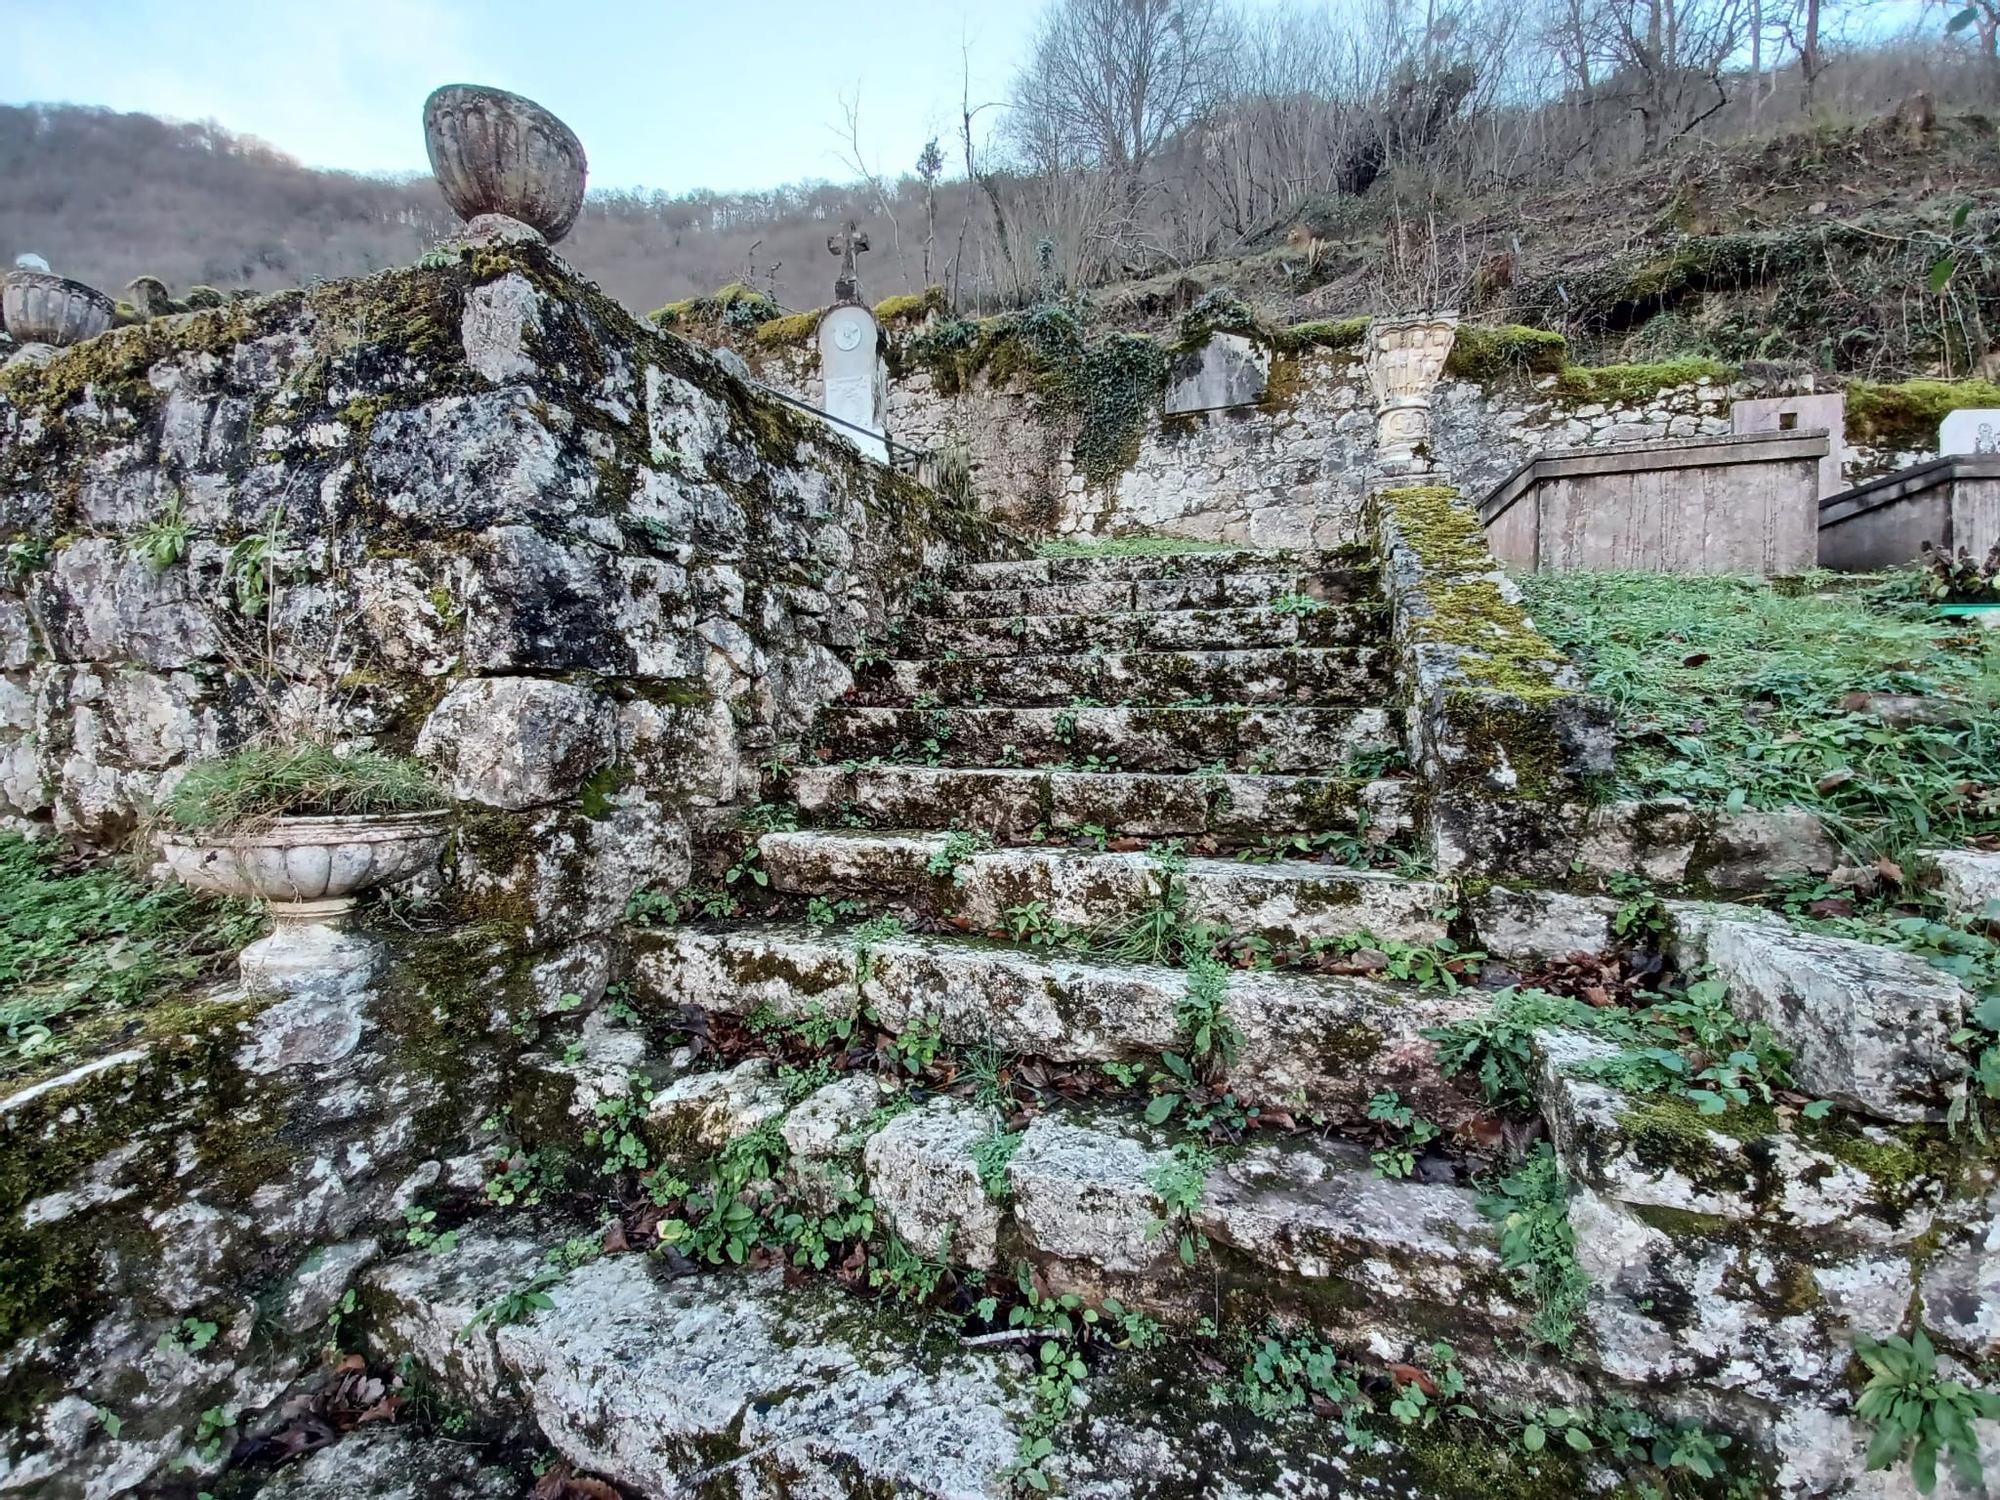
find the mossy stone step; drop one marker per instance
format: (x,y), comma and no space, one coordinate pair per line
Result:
(1012,804)
(647,1375)
(1147,630)
(1280,740)
(1286,902)
(1113,595)
(1330,1042)
(1036,572)
(1147,679)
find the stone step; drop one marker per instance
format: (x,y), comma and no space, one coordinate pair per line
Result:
(1266,740)
(1286,902)
(1010,804)
(651,1376)
(1037,572)
(1117,595)
(1330,1041)
(1146,679)
(1146,630)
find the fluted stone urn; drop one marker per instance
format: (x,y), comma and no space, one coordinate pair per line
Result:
(1405,358)
(43,309)
(496,153)
(308,870)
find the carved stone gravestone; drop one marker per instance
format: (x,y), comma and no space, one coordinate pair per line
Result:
(1826,413)
(1228,370)
(1972,429)
(854,378)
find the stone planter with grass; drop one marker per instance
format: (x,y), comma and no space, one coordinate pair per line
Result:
(305,831)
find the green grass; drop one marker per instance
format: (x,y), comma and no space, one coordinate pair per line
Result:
(298,780)
(1729,691)
(77,941)
(1128,546)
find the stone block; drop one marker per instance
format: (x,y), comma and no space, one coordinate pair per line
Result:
(517,742)
(923,1178)
(1869,1027)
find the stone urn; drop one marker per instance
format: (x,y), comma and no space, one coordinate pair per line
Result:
(1405,358)
(39,308)
(308,870)
(496,153)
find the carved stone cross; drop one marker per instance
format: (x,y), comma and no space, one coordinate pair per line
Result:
(849,243)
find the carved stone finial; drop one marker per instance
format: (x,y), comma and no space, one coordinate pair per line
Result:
(493,152)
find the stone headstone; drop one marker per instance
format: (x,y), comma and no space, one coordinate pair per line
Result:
(1972,429)
(1228,370)
(856,380)
(1824,413)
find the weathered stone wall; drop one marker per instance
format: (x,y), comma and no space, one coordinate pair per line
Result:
(1289,472)
(575,563)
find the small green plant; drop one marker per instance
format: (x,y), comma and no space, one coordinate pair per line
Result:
(1031,923)
(1300,605)
(1413,1133)
(958,847)
(1179,1181)
(211,1428)
(824,912)
(991,1154)
(1918,1413)
(1531,1205)
(189,1336)
(518,1304)
(163,541)
(250,570)
(419,1229)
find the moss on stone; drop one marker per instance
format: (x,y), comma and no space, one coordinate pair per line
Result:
(793,331)
(1489,354)
(1905,416)
(1335,335)
(912,307)
(1623,385)
(1666,1133)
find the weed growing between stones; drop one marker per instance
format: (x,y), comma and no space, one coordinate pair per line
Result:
(1531,1205)
(1916,1411)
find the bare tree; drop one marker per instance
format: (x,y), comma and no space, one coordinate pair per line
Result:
(1109,82)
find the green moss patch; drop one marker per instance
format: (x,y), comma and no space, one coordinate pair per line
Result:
(1622,385)
(1906,416)
(1335,335)
(1488,354)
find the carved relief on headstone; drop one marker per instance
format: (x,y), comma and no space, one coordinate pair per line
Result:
(1228,370)
(1822,413)
(1405,358)
(1971,429)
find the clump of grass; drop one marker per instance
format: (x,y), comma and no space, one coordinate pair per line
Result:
(309,779)
(77,939)
(1732,691)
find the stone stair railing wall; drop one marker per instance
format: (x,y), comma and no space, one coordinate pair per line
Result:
(593,578)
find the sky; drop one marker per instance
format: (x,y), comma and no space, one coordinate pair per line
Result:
(667,94)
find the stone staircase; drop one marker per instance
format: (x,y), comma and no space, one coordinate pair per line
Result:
(1068,769)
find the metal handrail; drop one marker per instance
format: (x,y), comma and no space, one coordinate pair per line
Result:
(916,455)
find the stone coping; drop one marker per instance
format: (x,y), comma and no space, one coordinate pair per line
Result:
(1905,484)
(1660,453)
